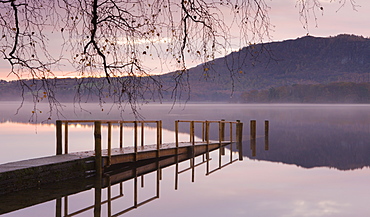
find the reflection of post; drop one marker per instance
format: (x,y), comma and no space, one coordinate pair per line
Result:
(266,135)
(158,179)
(58,207)
(135,189)
(97,200)
(239,138)
(109,196)
(121,189)
(98,155)
(177,173)
(66,206)
(253,147)
(59,137)
(192,169)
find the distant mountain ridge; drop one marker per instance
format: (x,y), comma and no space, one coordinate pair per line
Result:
(305,60)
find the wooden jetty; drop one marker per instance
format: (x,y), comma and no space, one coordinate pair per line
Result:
(135,171)
(36,172)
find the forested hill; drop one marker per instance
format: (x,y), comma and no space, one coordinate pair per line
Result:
(306,60)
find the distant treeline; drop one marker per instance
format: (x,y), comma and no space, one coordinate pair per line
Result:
(340,92)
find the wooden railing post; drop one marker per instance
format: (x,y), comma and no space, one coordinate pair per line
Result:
(192,137)
(135,139)
(120,134)
(207,140)
(177,136)
(192,160)
(98,152)
(66,137)
(231,141)
(207,132)
(109,143)
(177,154)
(160,132)
(142,133)
(239,138)
(158,137)
(253,129)
(231,132)
(266,135)
(203,132)
(222,130)
(222,135)
(59,145)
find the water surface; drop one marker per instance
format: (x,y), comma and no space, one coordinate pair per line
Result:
(316,164)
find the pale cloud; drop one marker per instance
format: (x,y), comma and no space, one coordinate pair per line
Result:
(125,41)
(304,208)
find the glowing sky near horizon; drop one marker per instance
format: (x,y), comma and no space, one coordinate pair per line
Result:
(285,24)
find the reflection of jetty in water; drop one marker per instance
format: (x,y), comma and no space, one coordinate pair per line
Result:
(115,180)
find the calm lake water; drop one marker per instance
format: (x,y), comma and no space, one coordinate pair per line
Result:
(317,162)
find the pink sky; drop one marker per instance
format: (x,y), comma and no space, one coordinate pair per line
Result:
(286,25)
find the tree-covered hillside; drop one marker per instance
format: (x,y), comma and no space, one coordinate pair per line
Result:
(258,67)
(306,60)
(339,92)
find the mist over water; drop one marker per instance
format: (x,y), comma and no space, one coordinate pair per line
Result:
(294,128)
(316,164)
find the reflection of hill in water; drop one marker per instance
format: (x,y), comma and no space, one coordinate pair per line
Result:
(316,145)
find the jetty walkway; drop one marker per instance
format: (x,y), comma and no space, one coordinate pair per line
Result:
(20,175)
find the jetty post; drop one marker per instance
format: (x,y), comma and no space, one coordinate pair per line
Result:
(59,137)
(207,147)
(222,135)
(120,134)
(109,143)
(142,134)
(253,129)
(231,141)
(135,139)
(266,135)
(239,138)
(177,154)
(66,137)
(98,152)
